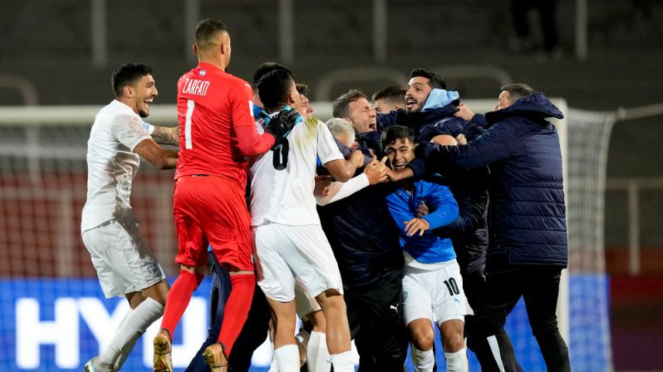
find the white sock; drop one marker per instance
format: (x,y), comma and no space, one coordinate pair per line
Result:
(457,362)
(343,362)
(317,353)
(133,327)
(423,361)
(287,357)
(302,345)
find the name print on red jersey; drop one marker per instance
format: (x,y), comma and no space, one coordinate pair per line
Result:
(196,87)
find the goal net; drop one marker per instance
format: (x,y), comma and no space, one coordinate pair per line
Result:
(53,316)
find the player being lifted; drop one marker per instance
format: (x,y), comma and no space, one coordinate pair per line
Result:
(124,263)
(217,132)
(289,240)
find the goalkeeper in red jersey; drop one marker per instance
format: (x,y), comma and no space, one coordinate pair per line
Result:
(217,133)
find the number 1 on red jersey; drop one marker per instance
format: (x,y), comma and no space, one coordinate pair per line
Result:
(190,104)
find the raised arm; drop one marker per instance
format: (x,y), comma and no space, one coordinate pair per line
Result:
(341,190)
(342,170)
(374,173)
(493,146)
(166,135)
(130,131)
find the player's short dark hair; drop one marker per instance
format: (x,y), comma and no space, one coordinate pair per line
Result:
(207,29)
(266,68)
(517,91)
(302,89)
(395,133)
(434,80)
(392,93)
(128,74)
(341,107)
(274,87)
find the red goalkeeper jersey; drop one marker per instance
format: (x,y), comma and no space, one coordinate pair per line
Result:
(211,107)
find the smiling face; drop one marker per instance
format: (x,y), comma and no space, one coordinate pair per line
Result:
(418,89)
(362,116)
(400,153)
(141,94)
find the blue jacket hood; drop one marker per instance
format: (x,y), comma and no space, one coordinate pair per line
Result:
(536,107)
(438,98)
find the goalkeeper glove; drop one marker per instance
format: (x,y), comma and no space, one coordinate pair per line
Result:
(281,125)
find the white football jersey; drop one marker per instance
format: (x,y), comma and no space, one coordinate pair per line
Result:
(286,196)
(112,164)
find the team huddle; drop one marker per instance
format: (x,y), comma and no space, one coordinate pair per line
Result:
(391,218)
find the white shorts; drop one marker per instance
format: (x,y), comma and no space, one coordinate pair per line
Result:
(436,294)
(123,261)
(284,252)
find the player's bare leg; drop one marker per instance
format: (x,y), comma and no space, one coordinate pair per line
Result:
(317,353)
(285,345)
(423,337)
(311,343)
(146,307)
(453,341)
(338,330)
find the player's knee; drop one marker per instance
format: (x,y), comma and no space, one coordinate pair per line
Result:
(423,338)
(331,300)
(453,342)
(158,292)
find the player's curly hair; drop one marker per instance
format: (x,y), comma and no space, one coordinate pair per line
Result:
(128,74)
(395,133)
(434,80)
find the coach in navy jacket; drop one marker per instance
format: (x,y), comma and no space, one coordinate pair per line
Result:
(527,226)
(527,213)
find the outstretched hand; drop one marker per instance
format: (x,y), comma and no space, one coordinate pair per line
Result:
(376,171)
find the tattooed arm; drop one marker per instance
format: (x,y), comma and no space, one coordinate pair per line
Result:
(166,135)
